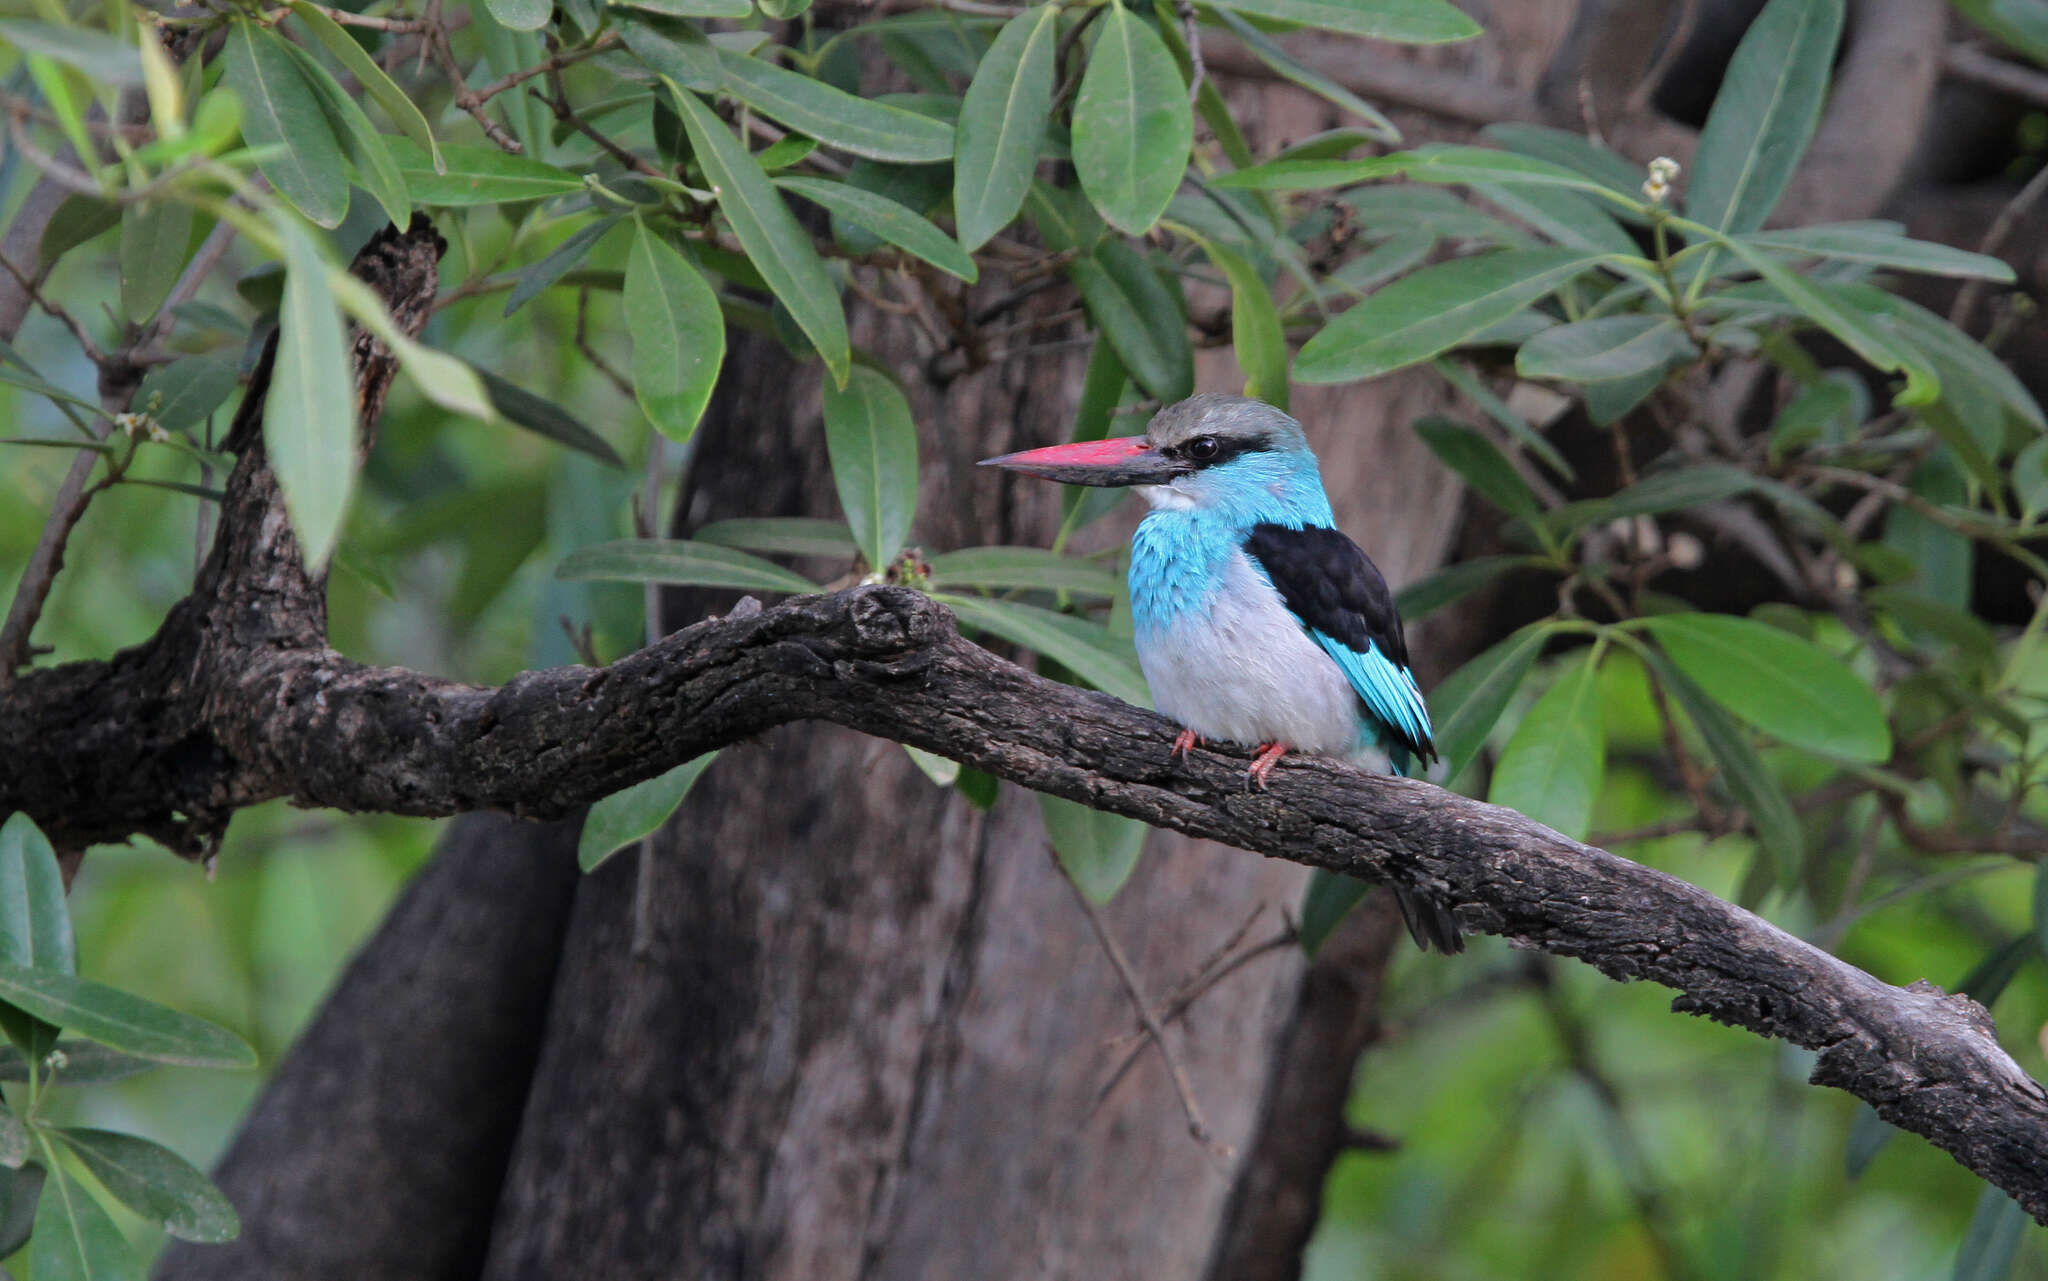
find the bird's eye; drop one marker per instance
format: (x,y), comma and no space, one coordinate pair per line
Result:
(1203,449)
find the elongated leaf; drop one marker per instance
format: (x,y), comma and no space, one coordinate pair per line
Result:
(1133,124)
(74,1239)
(281,111)
(561,260)
(694,8)
(101,57)
(678,335)
(628,816)
(359,139)
(1607,348)
(156,1183)
(396,103)
(938,769)
(521,15)
(20,1195)
(1785,686)
(679,561)
(121,1020)
(1567,218)
(677,50)
(1843,315)
(873,443)
(777,244)
(1433,310)
(1255,332)
(1470,702)
(898,224)
(1882,244)
(154,238)
(309,418)
(1552,767)
(1098,850)
(1002,123)
(1573,151)
(1993,1238)
(787,535)
(1142,320)
(77,220)
(1662,491)
(476,175)
(1765,114)
(834,117)
(1330,898)
(1927,332)
(441,378)
(546,418)
(81,1063)
(1087,649)
(1749,781)
(1285,65)
(1006,568)
(1453,583)
(1406,21)
(35,922)
(1482,465)
(182,394)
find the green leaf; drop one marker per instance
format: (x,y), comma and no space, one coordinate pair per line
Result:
(1098,850)
(1002,123)
(1482,465)
(121,1020)
(1133,124)
(1453,583)
(154,238)
(1461,376)
(1405,21)
(282,113)
(1255,332)
(83,1063)
(1992,1241)
(631,814)
(1765,114)
(694,8)
(76,221)
(375,169)
(677,50)
(1143,321)
(896,223)
(545,418)
(771,236)
(103,58)
(834,117)
(521,15)
(1748,780)
(1552,767)
(1842,314)
(1607,348)
(682,562)
(397,104)
(20,1193)
(1470,702)
(182,394)
(74,1239)
(476,175)
(1330,898)
(678,335)
(309,417)
(1565,217)
(2030,478)
(2023,24)
(1970,362)
(938,769)
(1432,310)
(35,921)
(1284,65)
(1868,1133)
(1028,568)
(559,261)
(1573,151)
(1785,686)
(1087,649)
(786,535)
(872,440)
(1662,491)
(156,1183)
(1881,244)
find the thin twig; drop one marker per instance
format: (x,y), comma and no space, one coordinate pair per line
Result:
(55,312)
(1197,1127)
(1191,36)
(436,44)
(554,63)
(1994,241)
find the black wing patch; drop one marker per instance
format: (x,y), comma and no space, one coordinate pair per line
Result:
(1340,597)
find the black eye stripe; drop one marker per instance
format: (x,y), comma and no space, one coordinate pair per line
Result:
(1196,451)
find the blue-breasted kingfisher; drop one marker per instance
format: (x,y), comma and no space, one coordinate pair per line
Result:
(1257,621)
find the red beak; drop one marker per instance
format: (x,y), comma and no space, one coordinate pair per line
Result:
(1125,460)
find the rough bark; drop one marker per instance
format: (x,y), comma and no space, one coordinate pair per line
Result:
(377,1150)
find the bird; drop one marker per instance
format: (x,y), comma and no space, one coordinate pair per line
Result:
(1257,621)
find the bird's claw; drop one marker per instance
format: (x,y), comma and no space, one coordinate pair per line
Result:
(1269,755)
(1184,744)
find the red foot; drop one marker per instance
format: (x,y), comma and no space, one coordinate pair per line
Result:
(1184,742)
(1263,763)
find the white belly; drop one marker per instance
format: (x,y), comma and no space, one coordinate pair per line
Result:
(1247,672)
